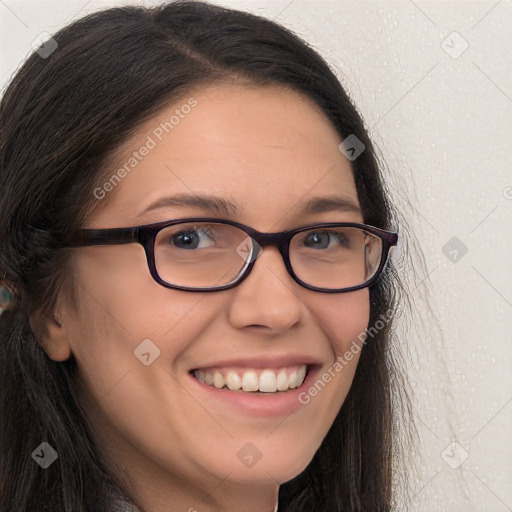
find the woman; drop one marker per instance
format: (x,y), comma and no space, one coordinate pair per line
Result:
(195,231)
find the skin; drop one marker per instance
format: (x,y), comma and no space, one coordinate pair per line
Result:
(268,148)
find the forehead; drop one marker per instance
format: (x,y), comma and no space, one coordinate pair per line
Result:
(265,149)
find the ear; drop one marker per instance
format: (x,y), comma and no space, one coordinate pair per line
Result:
(53,336)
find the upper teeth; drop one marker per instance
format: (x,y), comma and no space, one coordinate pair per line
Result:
(268,381)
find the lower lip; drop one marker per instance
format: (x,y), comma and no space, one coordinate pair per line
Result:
(268,405)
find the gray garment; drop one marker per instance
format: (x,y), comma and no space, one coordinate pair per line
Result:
(123,506)
(120,502)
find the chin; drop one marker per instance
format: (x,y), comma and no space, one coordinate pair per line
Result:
(280,470)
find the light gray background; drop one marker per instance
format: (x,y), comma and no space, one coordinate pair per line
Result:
(442,122)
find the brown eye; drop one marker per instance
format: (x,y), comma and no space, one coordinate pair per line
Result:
(191,238)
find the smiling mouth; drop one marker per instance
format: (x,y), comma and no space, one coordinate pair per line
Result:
(253,380)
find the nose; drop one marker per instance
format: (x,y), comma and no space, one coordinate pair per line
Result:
(268,297)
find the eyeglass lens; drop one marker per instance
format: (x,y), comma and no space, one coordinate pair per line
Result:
(206,254)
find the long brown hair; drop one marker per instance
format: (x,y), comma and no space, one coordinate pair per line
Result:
(61,118)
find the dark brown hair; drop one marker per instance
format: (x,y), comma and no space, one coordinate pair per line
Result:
(61,119)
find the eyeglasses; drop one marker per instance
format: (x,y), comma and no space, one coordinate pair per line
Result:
(209,254)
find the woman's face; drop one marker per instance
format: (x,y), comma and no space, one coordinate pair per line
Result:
(271,151)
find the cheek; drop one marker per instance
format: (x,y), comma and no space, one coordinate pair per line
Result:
(119,305)
(343,317)
(120,295)
(344,320)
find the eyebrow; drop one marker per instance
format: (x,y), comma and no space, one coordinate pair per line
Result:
(229,206)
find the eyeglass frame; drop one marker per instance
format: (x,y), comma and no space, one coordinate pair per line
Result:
(146,235)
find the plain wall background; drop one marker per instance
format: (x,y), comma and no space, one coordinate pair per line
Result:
(441,118)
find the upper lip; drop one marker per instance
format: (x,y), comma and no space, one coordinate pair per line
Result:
(267,361)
